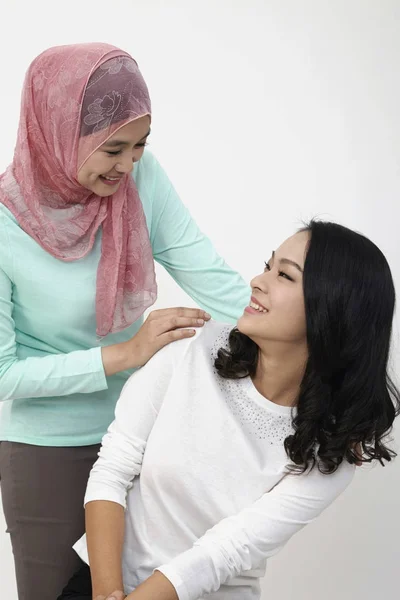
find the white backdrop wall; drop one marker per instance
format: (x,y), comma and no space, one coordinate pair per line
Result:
(265,113)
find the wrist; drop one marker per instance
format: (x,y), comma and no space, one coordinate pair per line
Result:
(118,357)
(104,584)
(125,356)
(107,586)
(156,586)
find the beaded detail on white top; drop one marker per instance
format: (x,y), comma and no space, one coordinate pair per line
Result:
(258,416)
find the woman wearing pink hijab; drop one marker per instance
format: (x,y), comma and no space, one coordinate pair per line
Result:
(79,233)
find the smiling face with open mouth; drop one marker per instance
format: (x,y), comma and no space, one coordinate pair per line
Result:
(104,170)
(276,310)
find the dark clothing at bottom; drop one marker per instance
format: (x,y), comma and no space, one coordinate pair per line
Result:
(43,491)
(79,586)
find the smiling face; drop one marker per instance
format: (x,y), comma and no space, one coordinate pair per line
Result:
(276,311)
(103,171)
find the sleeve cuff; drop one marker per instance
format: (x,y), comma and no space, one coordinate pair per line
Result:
(176,581)
(96,492)
(192,573)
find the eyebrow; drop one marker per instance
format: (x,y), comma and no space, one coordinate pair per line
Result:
(113,143)
(287,261)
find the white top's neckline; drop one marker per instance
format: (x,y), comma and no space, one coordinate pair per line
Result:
(252,391)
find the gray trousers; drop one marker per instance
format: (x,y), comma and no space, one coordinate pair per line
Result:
(42,492)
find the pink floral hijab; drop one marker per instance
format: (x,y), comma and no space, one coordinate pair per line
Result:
(74,98)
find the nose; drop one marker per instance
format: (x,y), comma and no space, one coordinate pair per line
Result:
(260,282)
(125,162)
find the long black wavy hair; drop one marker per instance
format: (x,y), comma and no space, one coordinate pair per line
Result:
(346,399)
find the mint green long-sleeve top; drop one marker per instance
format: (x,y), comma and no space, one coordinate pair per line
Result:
(53,388)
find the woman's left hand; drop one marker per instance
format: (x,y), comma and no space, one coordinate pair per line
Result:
(117,595)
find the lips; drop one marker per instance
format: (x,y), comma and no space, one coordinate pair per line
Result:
(254,299)
(111,182)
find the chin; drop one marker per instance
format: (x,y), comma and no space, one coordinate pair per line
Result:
(105,194)
(99,190)
(251,326)
(243,324)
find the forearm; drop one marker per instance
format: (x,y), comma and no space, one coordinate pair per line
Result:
(156,587)
(76,372)
(105,536)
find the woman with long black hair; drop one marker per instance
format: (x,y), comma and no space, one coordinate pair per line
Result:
(226,445)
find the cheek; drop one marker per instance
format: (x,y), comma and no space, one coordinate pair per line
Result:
(294,313)
(288,307)
(82,176)
(95,166)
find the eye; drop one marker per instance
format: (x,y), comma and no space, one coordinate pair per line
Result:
(285,275)
(142,145)
(113,153)
(280,274)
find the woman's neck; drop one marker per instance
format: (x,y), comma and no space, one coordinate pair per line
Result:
(279,372)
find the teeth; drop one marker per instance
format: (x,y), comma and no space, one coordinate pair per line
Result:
(111,178)
(258,307)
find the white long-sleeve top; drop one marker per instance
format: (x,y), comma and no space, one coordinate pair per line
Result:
(198,461)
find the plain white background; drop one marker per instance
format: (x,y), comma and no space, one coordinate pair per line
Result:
(265,113)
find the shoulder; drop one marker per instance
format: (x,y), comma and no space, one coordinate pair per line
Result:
(210,338)
(325,486)
(215,334)
(203,345)
(6,217)
(147,169)
(7,223)
(153,186)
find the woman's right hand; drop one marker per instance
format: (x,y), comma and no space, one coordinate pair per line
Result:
(160,328)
